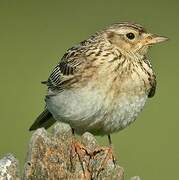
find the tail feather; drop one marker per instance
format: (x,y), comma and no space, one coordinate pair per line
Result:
(45,120)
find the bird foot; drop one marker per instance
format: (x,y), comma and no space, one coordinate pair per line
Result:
(109,155)
(84,155)
(80,150)
(108,151)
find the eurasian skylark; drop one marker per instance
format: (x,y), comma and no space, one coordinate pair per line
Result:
(102,84)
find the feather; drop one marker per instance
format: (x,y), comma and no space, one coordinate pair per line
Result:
(45,120)
(153,88)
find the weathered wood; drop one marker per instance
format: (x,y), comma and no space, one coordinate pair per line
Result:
(60,155)
(9,168)
(53,156)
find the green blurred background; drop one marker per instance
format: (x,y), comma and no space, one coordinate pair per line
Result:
(35,34)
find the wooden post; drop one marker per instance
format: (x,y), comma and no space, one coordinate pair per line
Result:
(51,156)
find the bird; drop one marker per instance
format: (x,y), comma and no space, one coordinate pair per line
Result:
(101,84)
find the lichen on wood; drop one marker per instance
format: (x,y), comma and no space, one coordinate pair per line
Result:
(53,156)
(50,156)
(9,168)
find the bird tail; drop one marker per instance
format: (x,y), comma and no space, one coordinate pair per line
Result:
(45,120)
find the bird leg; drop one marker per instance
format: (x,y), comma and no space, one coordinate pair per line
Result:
(110,150)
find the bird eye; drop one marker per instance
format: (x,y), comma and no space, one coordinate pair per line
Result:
(130,36)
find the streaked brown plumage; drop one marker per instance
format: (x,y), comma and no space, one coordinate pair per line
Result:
(101,84)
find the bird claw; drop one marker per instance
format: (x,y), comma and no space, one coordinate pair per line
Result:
(109,155)
(108,151)
(80,150)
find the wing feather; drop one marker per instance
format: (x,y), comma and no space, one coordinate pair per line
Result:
(66,68)
(153,87)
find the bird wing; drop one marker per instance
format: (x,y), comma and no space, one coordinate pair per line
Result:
(67,68)
(153,83)
(152,78)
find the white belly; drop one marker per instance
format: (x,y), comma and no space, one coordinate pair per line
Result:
(125,111)
(87,109)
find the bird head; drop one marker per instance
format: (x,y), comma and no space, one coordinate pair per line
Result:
(132,38)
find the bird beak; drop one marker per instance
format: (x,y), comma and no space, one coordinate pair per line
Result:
(151,39)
